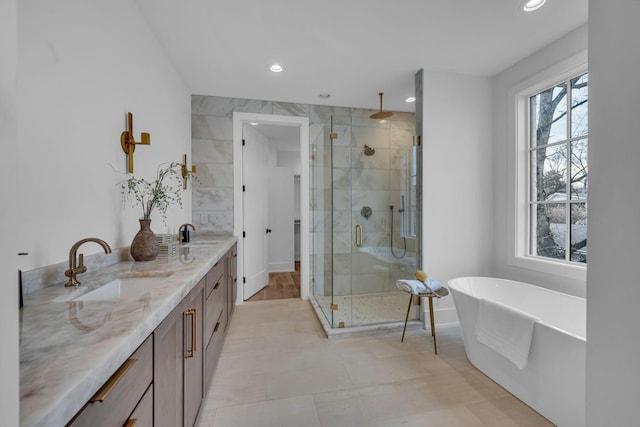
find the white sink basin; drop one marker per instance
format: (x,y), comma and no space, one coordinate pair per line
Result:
(130,288)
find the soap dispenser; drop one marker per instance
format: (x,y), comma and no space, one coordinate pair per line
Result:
(184,231)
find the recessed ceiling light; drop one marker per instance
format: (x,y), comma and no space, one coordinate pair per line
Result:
(253,124)
(276,68)
(531,5)
(410,99)
(324,95)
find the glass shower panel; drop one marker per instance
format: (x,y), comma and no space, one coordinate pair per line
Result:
(321,219)
(341,218)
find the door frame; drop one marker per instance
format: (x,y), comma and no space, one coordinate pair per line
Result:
(239,119)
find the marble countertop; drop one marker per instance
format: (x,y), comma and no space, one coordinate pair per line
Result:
(69,349)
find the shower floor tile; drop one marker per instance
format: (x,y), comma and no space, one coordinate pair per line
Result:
(277,368)
(369,309)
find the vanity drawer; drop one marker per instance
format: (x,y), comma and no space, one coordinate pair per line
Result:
(142,416)
(214,311)
(117,398)
(214,347)
(215,278)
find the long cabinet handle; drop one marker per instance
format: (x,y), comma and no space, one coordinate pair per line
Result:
(216,327)
(216,286)
(108,387)
(192,349)
(358,235)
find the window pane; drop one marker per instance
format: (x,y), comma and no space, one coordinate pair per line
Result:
(549,115)
(550,172)
(579,105)
(579,170)
(579,232)
(550,230)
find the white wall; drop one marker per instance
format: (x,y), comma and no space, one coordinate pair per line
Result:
(457,180)
(9,396)
(503,160)
(81,67)
(613,288)
(281,209)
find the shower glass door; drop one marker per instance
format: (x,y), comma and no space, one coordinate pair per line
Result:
(382,202)
(364,214)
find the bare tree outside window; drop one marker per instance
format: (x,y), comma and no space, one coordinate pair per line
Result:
(559,170)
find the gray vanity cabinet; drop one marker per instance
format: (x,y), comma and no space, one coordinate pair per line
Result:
(178,358)
(164,381)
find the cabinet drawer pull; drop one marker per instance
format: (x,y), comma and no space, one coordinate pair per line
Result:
(131,422)
(216,328)
(191,312)
(104,391)
(216,286)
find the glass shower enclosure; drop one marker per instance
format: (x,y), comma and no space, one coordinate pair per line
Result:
(365,216)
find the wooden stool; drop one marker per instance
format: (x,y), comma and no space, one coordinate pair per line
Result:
(441,293)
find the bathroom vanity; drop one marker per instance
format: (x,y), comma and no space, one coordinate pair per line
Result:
(142,358)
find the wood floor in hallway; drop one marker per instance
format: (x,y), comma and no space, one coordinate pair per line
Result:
(281,286)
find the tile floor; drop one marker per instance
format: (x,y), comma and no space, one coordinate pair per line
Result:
(278,369)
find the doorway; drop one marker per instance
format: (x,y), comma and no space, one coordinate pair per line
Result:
(268,167)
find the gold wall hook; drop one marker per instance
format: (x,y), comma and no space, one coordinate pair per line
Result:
(186,172)
(128,142)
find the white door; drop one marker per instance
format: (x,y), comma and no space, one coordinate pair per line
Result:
(255,182)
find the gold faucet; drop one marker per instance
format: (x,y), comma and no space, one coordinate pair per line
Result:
(181,236)
(78,267)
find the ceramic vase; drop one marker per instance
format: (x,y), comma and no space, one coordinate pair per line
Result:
(144,246)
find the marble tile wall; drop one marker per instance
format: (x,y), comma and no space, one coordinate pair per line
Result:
(358,180)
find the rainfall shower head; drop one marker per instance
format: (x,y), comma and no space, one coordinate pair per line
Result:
(369,151)
(381,114)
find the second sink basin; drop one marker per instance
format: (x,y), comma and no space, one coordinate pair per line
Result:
(125,288)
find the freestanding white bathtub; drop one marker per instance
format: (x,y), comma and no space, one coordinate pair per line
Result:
(553,381)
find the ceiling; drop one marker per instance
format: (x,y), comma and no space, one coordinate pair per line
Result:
(352,49)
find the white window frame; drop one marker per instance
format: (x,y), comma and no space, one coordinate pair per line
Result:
(520,212)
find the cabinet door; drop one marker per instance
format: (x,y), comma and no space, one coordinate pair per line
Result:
(193,355)
(168,359)
(232,280)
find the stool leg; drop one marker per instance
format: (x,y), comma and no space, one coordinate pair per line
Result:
(433,327)
(406,319)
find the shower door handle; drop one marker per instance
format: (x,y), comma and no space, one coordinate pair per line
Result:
(358,235)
